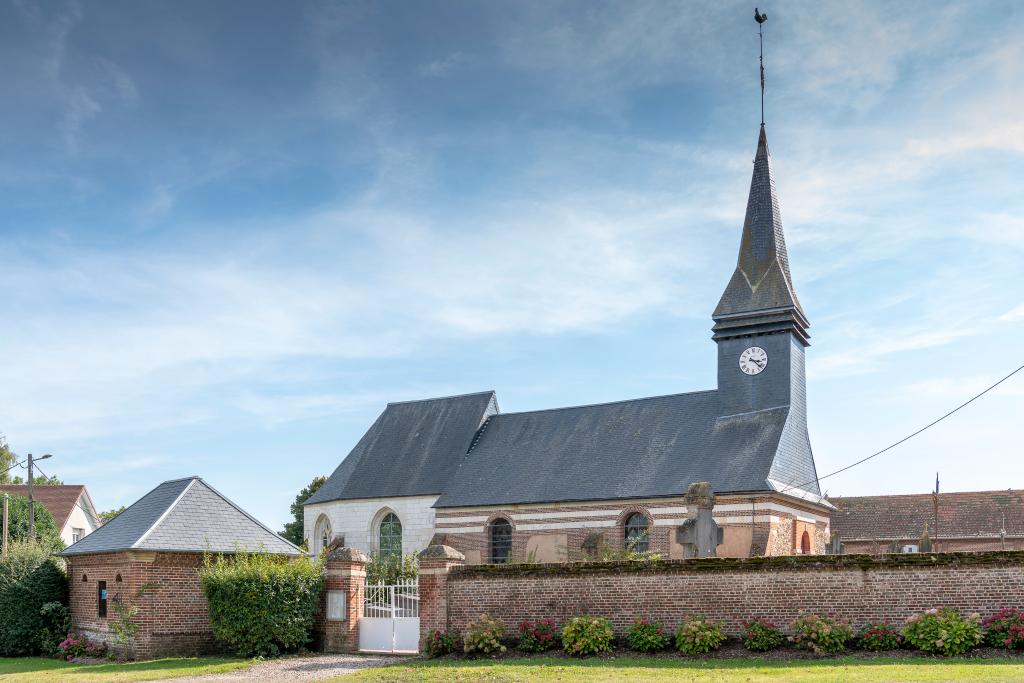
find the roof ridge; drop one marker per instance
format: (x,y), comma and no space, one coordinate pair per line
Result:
(167,511)
(606,403)
(488,392)
(941,493)
(246,514)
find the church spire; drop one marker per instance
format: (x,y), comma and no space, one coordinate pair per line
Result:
(760,297)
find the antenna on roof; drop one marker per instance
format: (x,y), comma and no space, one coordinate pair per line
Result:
(760,19)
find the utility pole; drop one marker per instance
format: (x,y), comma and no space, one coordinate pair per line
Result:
(6,513)
(935,512)
(31,502)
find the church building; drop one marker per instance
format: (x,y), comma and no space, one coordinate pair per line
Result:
(554,485)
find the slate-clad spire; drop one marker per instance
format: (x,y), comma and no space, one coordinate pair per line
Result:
(760,298)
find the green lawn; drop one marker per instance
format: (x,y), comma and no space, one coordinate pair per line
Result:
(844,670)
(25,669)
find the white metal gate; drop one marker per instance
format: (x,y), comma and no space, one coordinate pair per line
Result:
(391,618)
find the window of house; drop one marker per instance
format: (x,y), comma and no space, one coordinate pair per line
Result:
(805,544)
(76,534)
(101,599)
(500,540)
(909,549)
(636,533)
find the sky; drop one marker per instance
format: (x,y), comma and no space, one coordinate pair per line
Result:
(232,232)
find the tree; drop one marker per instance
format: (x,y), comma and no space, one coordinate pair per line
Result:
(110,514)
(46,527)
(39,480)
(293,530)
(7,460)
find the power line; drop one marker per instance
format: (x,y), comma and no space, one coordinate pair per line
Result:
(908,437)
(17,464)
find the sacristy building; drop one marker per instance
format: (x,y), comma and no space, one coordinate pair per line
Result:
(554,485)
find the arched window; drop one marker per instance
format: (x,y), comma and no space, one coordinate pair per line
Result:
(637,536)
(500,540)
(321,534)
(390,536)
(805,544)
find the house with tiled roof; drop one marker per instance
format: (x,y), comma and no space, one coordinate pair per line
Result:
(550,484)
(955,522)
(70,504)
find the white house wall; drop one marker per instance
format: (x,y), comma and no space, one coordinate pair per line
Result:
(78,520)
(357,520)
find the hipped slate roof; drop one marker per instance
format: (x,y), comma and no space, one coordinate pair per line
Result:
(60,500)
(975,514)
(646,447)
(183,515)
(412,449)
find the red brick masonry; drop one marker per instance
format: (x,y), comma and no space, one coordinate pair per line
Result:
(858,588)
(172,620)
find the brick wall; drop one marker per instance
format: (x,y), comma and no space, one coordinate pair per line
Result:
(755,525)
(173,617)
(858,588)
(344,570)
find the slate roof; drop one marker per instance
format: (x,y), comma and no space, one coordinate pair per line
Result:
(760,296)
(413,449)
(183,515)
(639,448)
(60,500)
(975,514)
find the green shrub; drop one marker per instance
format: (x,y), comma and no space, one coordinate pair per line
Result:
(55,624)
(439,643)
(699,635)
(647,636)
(46,530)
(29,579)
(261,605)
(587,636)
(761,635)
(943,631)
(1005,629)
(819,634)
(484,636)
(391,569)
(538,636)
(879,637)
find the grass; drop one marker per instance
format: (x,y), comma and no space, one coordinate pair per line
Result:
(753,670)
(25,669)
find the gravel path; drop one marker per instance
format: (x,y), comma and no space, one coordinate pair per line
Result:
(299,669)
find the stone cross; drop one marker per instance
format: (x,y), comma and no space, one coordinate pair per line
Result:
(699,535)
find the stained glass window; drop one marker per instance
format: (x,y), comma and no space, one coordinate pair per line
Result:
(390,536)
(501,541)
(636,533)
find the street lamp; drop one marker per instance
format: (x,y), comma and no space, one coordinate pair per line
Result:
(31,503)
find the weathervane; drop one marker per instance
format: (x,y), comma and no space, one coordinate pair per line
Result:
(760,19)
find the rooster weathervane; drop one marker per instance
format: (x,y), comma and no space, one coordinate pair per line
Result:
(760,18)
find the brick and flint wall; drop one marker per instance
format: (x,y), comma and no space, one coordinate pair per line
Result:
(860,589)
(172,619)
(752,526)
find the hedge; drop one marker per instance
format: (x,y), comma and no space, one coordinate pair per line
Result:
(261,605)
(29,579)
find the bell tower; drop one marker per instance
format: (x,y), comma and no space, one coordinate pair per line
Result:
(760,327)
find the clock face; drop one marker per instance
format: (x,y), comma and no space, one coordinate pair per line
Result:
(753,360)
